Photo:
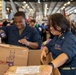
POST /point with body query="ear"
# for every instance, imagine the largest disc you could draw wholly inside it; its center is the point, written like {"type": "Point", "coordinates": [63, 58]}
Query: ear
{"type": "Point", "coordinates": [58, 28]}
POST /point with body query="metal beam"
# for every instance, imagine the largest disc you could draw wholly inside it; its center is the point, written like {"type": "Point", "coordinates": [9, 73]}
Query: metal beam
{"type": "Point", "coordinates": [13, 6]}
{"type": "Point", "coordinates": [60, 6]}
{"type": "Point", "coordinates": [49, 9]}
{"type": "Point", "coordinates": [18, 4]}
{"type": "Point", "coordinates": [3, 9]}
{"type": "Point", "coordinates": [32, 5]}
{"type": "Point", "coordinates": [70, 10]}
{"type": "Point", "coordinates": [43, 8]}
{"type": "Point", "coordinates": [54, 6]}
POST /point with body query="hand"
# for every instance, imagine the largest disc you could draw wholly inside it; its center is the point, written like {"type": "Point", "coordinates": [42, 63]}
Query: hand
{"type": "Point", "coordinates": [43, 55]}
{"type": "Point", "coordinates": [24, 41]}
{"type": "Point", "coordinates": [45, 70]}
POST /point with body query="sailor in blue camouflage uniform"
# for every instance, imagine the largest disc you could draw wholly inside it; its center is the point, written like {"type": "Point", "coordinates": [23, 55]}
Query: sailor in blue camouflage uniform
{"type": "Point", "coordinates": [62, 47]}
{"type": "Point", "coordinates": [21, 34]}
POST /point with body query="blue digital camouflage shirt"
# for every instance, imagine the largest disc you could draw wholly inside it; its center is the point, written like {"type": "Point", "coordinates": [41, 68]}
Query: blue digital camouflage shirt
{"type": "Point", "coordinates": [13, 36]}
{"type": "Point", "coordinates": [64, 44]}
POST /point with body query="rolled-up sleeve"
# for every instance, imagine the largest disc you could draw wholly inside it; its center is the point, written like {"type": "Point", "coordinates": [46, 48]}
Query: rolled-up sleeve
{"type": "Point", "coordinates": [37, 38]}
{"type": "Point", "coordinates": [69, 48]}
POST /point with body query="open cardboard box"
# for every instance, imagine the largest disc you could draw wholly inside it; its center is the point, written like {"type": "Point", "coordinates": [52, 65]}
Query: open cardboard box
{"type": "Point", "coordinates": [25, 70]}
{"type": "Point", "coordinates": [34, 59]}
{"type": "Point", "coordinates": [11, 55]}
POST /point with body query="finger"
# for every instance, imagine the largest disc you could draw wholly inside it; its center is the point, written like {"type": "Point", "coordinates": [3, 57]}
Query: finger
{"type": "Point", "coordinates": [25, 37]}
{"type": "Point", "coordinates": [44, 54]}
{"type": "Point", "coordinates": [42, 61]}
{"type": "Point", "coordinates": [43, 58]}
{"type": "Point", "coordinates": [19, 40]}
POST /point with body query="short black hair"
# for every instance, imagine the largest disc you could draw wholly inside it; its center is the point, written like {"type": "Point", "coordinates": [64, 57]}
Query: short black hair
{"type": "Point", "coordinates": [33, 20]}
{"type": "Point", "coordinates": [60, 20]}
{"type": "Point", "coordinates": [20, 13]}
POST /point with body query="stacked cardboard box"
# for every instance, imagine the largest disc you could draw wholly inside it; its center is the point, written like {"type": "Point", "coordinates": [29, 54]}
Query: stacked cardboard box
{"type": "Point", "coordinates": [11, 55]}
{"type": "Point", "coordinates": [26, 70]}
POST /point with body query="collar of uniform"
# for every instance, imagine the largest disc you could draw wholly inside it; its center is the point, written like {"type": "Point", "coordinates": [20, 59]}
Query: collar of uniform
{"type": "Point", "coordinates": [28, 28]}
{"type": "Point", "coordinates": [63, 36]}
{"type": "Point", "coordinates": [15, 28]}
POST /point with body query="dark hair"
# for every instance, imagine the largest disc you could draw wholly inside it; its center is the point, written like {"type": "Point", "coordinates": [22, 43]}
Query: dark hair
{"type": "Point", "coordinates": [33, 20]}
{"type": "Point", "coordinates": [61, 21]}
{"type": "Point", "coordinates": [20, 13]}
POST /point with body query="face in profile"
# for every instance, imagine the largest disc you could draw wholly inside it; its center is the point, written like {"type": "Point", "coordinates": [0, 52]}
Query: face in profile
{"type": "Point", "coordinates": [32, 24]}
{"type": "Point", "coordinates": [19, 22]}
{"type": "Point", "coordinates": [54, 31]}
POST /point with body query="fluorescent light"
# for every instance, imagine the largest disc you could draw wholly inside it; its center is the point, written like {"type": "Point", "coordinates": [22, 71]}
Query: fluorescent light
{"type": "Point", "coordinates": [68, 2]}
{"type": "Point", "coordinates": [75, 10]}
{"type": "Point", "coordinates": [24, 2]}
{"type": "Point", "coordinates": [27, 6]}
{"type": "Point", "coordinates": [65, 4]}
{"type": "Point", "coordinates": [62, 7]}
{"type": "Point", "coordinates": [38, 1]}
{"type": "Point", "coordinates": [7, 8]}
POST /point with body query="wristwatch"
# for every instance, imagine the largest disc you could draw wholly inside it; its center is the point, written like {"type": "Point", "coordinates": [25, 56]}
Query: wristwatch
{"type": "Point", "coordinates": [51, 64]}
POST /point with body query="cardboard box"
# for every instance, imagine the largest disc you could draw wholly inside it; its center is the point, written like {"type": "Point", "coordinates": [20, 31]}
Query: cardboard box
{"type": "Point", "coordinates": [12, 55]}
{"type": "Point", "coordinates": [21, 57]}
{"type": "Point", "coordinates": [25, 70]}
{"type": "Point", "coordinates": [34, 59]}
